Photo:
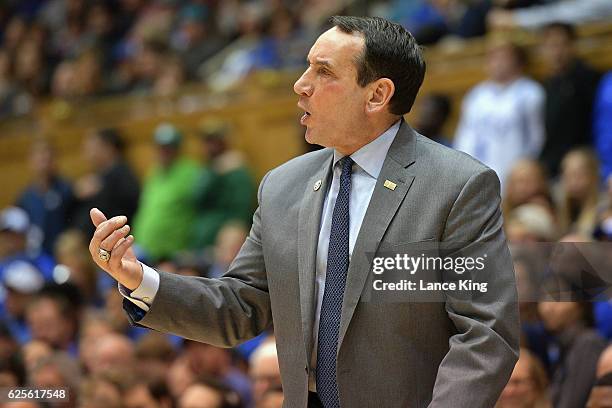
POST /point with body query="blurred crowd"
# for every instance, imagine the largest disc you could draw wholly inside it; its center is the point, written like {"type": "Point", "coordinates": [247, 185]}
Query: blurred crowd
{"type": "Point", "coordinates": [77, 49]}
{"type": "Point", "coordinates": [550, 142]}
{"type": "Point", "coordinates": [61, 319]}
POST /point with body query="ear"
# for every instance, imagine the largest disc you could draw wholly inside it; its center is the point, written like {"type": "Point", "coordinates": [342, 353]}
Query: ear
{"type": "Point", "coordinates": [381, 92]}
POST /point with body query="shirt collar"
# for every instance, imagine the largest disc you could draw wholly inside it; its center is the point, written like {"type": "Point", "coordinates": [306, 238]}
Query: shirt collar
{"type": "Point", "coordinates": [372, 156]}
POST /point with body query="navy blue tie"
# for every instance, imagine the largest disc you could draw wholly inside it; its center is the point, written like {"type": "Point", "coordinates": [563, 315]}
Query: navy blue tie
{"type": "Point", "coordinates": [335, 281]}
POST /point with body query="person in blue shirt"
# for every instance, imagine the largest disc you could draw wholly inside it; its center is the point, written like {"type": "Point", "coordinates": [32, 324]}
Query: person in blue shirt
{"type": "Point", "coordinates": [602, 130]}
{"type": "Point", "coordinates": [48, 200]}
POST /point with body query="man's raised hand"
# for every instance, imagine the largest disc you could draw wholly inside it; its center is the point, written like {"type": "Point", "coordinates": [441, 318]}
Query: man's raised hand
{"type": "Point", "coordinates": [112, 236]}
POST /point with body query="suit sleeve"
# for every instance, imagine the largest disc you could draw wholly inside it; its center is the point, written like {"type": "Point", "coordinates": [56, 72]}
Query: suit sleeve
{"type": "Point", "coordinates": [484, 350]}
{"type": "Point", "coordinates": [222, 312]}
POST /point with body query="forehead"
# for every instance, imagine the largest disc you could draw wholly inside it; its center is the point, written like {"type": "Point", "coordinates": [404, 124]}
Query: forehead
{"type": "Point", "coordinates": [337, 48]}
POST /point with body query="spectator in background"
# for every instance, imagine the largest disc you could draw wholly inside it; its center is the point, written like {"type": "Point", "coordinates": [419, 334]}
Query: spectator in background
{"type": "Point", "coordinates": [282, 45]}
{"type": "Point", "coordinates": [225, 189]}
{"type": "Point", "coordinates": [531, 223]}
{"type": "Point", "coordinates": [114, 356]}
{"type": "Point", "coordinates": [570, 92]}
{"type": "Point", "coordinates": [146, 394]}
{"type": "Point", "coordinates": [58, 370]}
{"type": "Point", "coordinates": [20, 284]}
{"type": "Point", "coordinates": [12, 372]}
{"type": "Point", "coordinates": [88, 74]}
{"type": "Point", "coordinates": [64, 79]}
{"type": "Point", "coordinates": [528, 385]}
{"type": "Point", "coordinates": [578, 345]}
{"type": "Point", "coordinates": [579, 192]}
{"type": "Point", "coordinates": [568, 11]}
{"type": "Point", "coordinates": [8, 344]}
{"type": "Point", "coordinates": [101, 32]}
{"type": "Point", "coordinates": [502, 118]}
{"type": "Point", "coordinates": [209, 361]}
{"type": "Point", "coordinates": [53, 319]}
{"type": "Point", "coordinates": [432, 20]}
{"type": "Point", "coordinates": [71, 252]}
{"type": "Point", "coordinates": [99, 392]}
{"type": "Point", "coordinates": [164, 222]}
{"type": "Point", "coordinates": [170, 78]}
{"type": "Point", "coordinates": [48, 200]}
{"type": "Point", "coordinates": [264, 371]}
{"type": "Point", "coordinates": [70, 39]}
{"type": "Point", "coordinates": [527, 184]}
{"type": "Point", "coordinates": [111, 183]}
{"type": "Point", "coordinates": [31, 74]}
{"type": "Point", "coordinates": [603, 231]}
{"type": "Point", "coordinates": [194, 38]}
{"type": "Point", "coordinates": [8, 90]}
{"type": "Point", "coordinates": [34, 352]}
{"type": "Point", "coordinates": [208, 393]}
{"type": "Point", "coordinates": [273, 398]}
{"type": "Point", "coordinates": [180, 376]}
{"type": "Point", "coordinates": [154, 354]}
{"type": "Point", "coordinates": [145, 66]}
{"type": "Point", "coordinates": [433, 113]}
{"type": "Point", "coordinates": [601, 394]}
{"type": "Point", "coordinates": [602, 128]}
{"type": "Point", "coordinates": [228, 242]}
{"type": "Point", "coordinates": [20, 241]}
{"type": "Point", "coordinates": [14, 33]}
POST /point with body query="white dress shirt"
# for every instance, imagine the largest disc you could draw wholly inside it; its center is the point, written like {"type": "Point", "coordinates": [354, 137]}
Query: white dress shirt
{"type": "Point", "coordinates": [368, 162]}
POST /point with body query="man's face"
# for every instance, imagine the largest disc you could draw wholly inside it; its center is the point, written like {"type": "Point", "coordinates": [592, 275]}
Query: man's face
{"type": "Point", "coordinates": [139, 397]}
{"type": "Point", "coordinates": [558, 49]}
{"type": "Point", "coordinates": [265, 375]}
{"type": "Point", "coordinates": [200, 396]}
{"type": "Point", "coordinates": [557, 316]}
{"type": "Point", "coordinates": [501, 64]}
{"type": "Point", "coordinates": [329, 92]}
{"type": "Point", "coordinates": [520, 391]}
{"type": "Point", "coordinates": [167, 155]}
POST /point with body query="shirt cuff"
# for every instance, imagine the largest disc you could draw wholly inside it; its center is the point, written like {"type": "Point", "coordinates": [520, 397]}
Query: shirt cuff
{"type": "Point", "coordinates": [144, 295]}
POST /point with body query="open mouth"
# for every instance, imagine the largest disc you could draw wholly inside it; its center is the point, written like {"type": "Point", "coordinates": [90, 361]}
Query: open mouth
{"type": "Point", "coordinates": [305, 116]}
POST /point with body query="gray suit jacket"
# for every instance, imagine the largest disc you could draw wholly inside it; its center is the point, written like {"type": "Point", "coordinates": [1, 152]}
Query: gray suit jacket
{"type": "Point", "coordinates": [453, 353]}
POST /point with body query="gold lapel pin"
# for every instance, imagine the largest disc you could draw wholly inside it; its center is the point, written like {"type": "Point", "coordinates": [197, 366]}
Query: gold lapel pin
{"type": "Point", "coordinates": [317, 185]}
{"type": "Point", "coordinates": [390, 185]}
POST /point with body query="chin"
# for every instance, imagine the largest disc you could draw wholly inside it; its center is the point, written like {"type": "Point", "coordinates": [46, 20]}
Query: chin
{"type": "Point", "coordinates": [310, 137]}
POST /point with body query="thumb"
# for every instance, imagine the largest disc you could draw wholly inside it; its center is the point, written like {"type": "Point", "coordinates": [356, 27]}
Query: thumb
{"type": "Point", "coordinates": [97, 216]}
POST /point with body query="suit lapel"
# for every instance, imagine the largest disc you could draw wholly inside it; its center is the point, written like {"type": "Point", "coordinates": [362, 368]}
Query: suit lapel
{"type": "Point", "coordinates": [381, 210]}
{"type": "Point", "coordinates": [309, 224]}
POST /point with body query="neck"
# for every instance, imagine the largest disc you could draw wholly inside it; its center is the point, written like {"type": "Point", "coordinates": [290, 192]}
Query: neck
{"type": "Point", "coordinates": [368, 134]}
{"type": "Point", "coordinates": [108, 163]}
{"type": "Point", "coordinates": [43, 181]}
{"type": "Point", "coordinates": [508, 80]}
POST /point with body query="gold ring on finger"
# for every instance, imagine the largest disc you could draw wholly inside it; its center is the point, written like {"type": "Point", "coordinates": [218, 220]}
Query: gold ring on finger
{"type": "Point", "coordinates": [103, 254]}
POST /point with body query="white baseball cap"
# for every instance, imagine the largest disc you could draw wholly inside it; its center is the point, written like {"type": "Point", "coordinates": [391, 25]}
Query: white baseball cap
{"type": "Point", "coordinates": [14, 219]}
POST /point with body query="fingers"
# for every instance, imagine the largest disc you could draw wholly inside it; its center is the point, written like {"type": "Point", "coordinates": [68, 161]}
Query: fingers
{"type": "Point", "coordinates": [105, 228]}
{"type": "Point", "coordinates": [119, 251]}
{"type": "Point", "coordinates": [110, 242]}
{"type": "Point", "coordinates": [96, 216]}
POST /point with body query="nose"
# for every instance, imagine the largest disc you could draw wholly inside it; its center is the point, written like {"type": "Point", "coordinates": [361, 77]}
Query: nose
{"type": "Point", "coordinates": [302, 86]}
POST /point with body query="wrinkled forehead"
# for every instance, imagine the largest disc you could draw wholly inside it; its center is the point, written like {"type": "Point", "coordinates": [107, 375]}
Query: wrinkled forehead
{"type": "Point", "coordinates": [337, 48]}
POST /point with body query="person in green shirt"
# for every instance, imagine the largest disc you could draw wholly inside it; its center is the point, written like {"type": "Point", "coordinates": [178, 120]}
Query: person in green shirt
{"type": "Point", "coordinates": [225, 190]}
{"type": "Point", "coordinates": [164, 221]}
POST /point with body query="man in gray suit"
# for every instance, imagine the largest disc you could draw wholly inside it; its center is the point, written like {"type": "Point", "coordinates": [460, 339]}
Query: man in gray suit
{"type": "Point", "coordinates": [307, 262]}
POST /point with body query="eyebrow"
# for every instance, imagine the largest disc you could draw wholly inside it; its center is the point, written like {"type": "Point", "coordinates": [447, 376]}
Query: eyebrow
{"type": "Point", "coordinates": [320, 62]}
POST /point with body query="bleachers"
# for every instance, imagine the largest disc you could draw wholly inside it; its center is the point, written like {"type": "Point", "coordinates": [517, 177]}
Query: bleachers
{"type": "Point", "coordinates": [263, 113]}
